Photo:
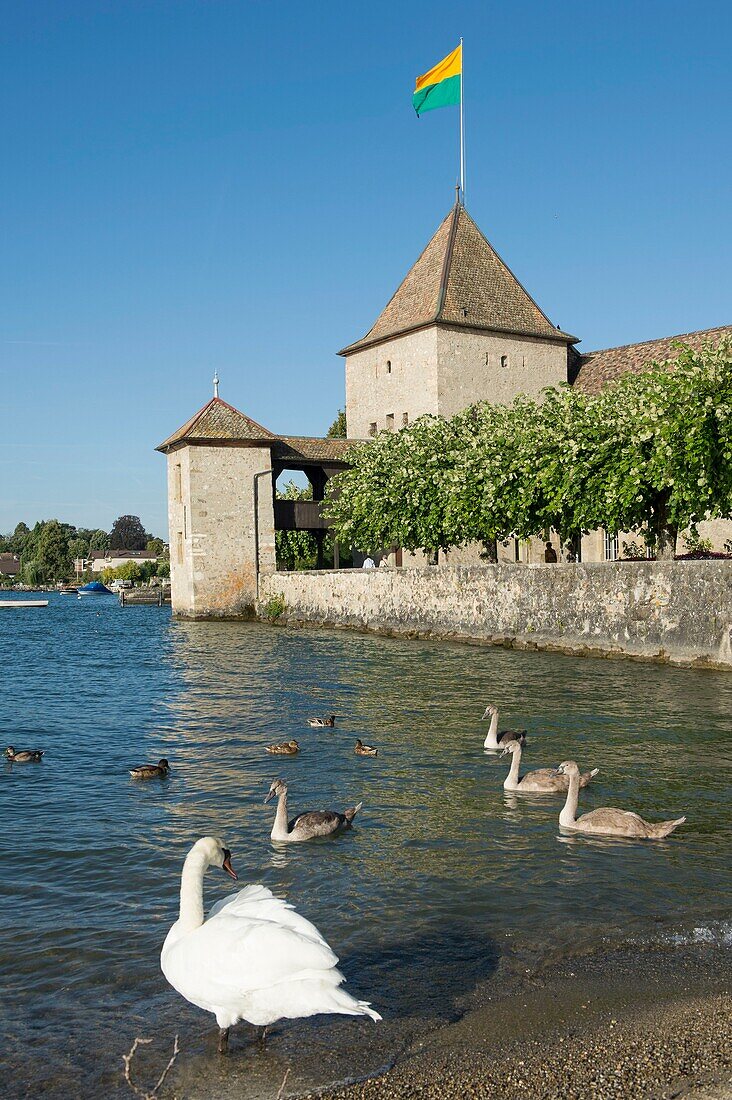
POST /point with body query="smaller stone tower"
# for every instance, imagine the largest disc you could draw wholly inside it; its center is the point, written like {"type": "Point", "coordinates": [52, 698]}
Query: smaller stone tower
{"type": "Point", "coordinates": [220, 511]}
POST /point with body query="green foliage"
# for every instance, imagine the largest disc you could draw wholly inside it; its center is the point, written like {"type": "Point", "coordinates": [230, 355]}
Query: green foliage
{"type": "Point", "coordinates": [53, 551]}
{"type": "Point", "coordinates": [155, 546]}
{"type": "Point", "coordinates": [695, 544]}
{"type": "Point", "coordinates": [337, 430]}
{"type": "Point", "coordinates": [651, 453]}
{"type": "Point", "coordinates": [634, 549]}
{"type": "Point", "coordinates": [275, 608]}
{"type": "Point", "coordinates": [128, 534]}
{"type": "Point", "coordinates": [32, 573]}
{"type": "Point", "coordinates": [295, 549]}
{"type": "Point", "coordinates": [139, 572]}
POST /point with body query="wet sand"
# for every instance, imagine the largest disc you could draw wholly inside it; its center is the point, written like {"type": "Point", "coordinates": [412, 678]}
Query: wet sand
{"type": "Point", "coordinates": [651, 1024]}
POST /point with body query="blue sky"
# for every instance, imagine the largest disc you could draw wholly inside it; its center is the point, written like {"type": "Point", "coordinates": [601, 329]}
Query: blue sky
{"type": "Point", "coordinates": [239, 185]}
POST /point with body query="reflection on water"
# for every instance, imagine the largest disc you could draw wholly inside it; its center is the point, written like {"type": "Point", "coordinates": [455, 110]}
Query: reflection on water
{"type": "Point", "coordinates": [444, 876]}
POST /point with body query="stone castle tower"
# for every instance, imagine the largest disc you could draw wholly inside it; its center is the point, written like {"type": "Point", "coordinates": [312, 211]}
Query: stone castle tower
{"type": "Point", "coordinates": [459, 329]}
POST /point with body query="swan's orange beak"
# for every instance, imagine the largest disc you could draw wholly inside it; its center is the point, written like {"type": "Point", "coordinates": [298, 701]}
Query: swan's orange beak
{"type": "Point", "coordinates": [226, 865]}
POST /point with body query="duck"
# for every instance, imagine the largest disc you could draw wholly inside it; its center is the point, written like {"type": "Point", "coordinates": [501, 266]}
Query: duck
{"type": "Point", "coordinates": [307, 826]}
{"type": "Point", "coordinates": [253, 958]}
{"type": "Point", "coordinates": [24, 756]}
{"type": "Point", "coordinates": [364, 750]}
{"type": "Point", "coordinates": [541, 781]}
{"type": "Point", "coordinates": [607, 821]}
{"type": "Point", "coordinates": [322, 723]}
{"type": "Point", "coordinates": [287, 748]}
{"type": "Point", "coordinates": [496, 740]}
{"type": "Point", "coordinates": [151, 771]}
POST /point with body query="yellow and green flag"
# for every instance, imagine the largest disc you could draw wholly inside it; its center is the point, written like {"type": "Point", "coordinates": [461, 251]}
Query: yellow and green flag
{"type": "Point", "coordinates": [440, 87]}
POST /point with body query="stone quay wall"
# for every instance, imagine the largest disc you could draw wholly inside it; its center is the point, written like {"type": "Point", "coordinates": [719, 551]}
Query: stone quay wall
{"type": "Point", "coordinates": [678, 612]}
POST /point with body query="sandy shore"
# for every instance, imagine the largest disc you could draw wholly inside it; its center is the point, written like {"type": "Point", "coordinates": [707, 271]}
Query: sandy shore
{"type": "Point", "coordinates": [657, 1025]}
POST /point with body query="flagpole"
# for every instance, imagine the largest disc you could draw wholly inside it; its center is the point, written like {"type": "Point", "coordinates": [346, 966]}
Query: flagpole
{"type": "Point", "coordinates": [462, 128]}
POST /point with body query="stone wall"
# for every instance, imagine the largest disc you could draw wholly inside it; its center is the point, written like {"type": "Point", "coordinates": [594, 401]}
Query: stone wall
{"type": "Point", "coordinates": [470, 367]}
{"type": "Point", "coordinates": [672, 611]}
{"type": "Point", "coordinates": [443, 370]}
{"type": "Point", "coordinates": [395, 377]}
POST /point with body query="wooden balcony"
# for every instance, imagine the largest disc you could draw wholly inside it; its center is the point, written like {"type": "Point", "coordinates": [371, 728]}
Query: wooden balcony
{"type": "Point", "coordinates": [298, 515]}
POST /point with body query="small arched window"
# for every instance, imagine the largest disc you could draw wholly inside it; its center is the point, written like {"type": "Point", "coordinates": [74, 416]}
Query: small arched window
{"type": "Point", "coordinates": [388, 366]}
{"type": "Point", "coordinates": [504, 360]}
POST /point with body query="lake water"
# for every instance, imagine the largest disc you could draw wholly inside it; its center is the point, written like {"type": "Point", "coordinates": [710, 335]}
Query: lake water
{"type": "Point", "coordinates": [444, 883]}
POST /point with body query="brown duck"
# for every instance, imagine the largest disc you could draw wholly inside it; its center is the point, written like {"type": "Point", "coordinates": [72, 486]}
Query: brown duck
{"type": "Point", "coordinates": [151, 771]}
{"type": "Point", "coordinates": [23, 756]}
{"type": "Point", "coordinates": [287, 748]}
{"type": "Point", "coordinates": [365, 750]}
{"type": "Point", "coordinates": [320, 723]}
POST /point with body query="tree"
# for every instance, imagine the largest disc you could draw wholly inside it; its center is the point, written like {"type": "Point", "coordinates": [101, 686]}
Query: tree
{"type": "Point", "coordinates": [155, 546]}
{"type": "Point", "coordinates": [99, 540]}
{"type": "Point", "coordinates": [665, 461]}
{"type": "Point", "coordinates": [651, 453]}
{"type": "Point", "coordinates": [396, 490]}
{"type": "Point", "coordinates": [128, 534]}
{"type": "Point", "coordinates": [32, 573]}
{"type": "Point", "coordinates": [19, 537]}
{"type": "Point", "coordinates": [53, 552]}
{"type": "Point", "coordinates": [337, 430]}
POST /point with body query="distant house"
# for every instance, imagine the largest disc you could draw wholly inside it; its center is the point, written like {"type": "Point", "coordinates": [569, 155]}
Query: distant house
{"type": "Point", "coordinates": [99, 560]}
{"type": "Point", "coordinates": [9, 565]}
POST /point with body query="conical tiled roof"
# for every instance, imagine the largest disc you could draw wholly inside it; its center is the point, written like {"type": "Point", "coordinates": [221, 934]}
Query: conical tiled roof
{"type": "Point", "coordinates": [460, 280]}
{"type": "Point", "coordinates": [218, 420]}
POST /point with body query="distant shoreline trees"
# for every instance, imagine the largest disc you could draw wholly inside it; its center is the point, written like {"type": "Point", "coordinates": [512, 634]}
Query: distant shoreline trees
{"type": "Point", "coordinates": [47, 552]}
{"type": "Point", "coordinates": [651, 453]}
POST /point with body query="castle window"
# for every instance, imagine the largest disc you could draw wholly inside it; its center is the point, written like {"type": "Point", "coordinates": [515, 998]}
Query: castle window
{"type": "Point", "coordinates": [178, 484]}
{"type": "Point", "coordinates": [388, 366]}
{"type": "Point", "coordinates": [504, 360]}
{"type": "Point", "coordinates": [390, 422]}
{"type": "Point", "coordinates": [372, 428]}
{"type": "Point", "coordinates": [611, 547]}
{"type": "Point", "coordinates": [405, 419]}
{"type": "Point", "coordinates": [487, 359]}
{"type": "Point", "coordinates": [179, 546]}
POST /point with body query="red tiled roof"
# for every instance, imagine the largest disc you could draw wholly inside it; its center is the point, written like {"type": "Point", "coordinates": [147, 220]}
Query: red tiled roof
{"type": "Point", "coordinates": [599, 368]}
{"type": "Point", "coordinates": [9, 565]}
{"type": "Point", "coordinates": [459, 279]}
{"type": "Point", "coordinates": [220, 422]}
{"type": "Point", "coordinates": [217, 420]}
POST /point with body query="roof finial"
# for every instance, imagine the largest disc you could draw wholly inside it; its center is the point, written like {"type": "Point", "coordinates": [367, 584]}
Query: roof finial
{"type": "Point", "coordinates": [457, 193]}
{"type": "Point", "coordinates": [216, 383]}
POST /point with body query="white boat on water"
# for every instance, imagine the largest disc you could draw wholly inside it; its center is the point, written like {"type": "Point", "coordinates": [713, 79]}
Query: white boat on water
{"type": "Point", "coordinates": [23, 603]}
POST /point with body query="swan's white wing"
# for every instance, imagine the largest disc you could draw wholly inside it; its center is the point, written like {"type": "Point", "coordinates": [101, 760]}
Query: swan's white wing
{"type": "Point", "coordinates": [251, 954]}
{"type": "Point", "coordinates": [258, 903]}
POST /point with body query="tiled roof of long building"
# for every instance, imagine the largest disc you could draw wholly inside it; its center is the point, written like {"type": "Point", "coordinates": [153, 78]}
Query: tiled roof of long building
{"type": "Point", "coordinates": [459, 279]}
{"type": "Point", "coordinates": [597, 369]}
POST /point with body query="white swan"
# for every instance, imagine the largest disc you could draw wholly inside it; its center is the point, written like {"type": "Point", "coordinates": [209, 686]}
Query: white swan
{"type": "Point", "coordinates": [496, 740]}
{"type": "Point", "coordinates": [254, 958]}
{"type": "Point", "coordinates": [607, 821]}
{"type": "Point", "coordinates": [541, 781]}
